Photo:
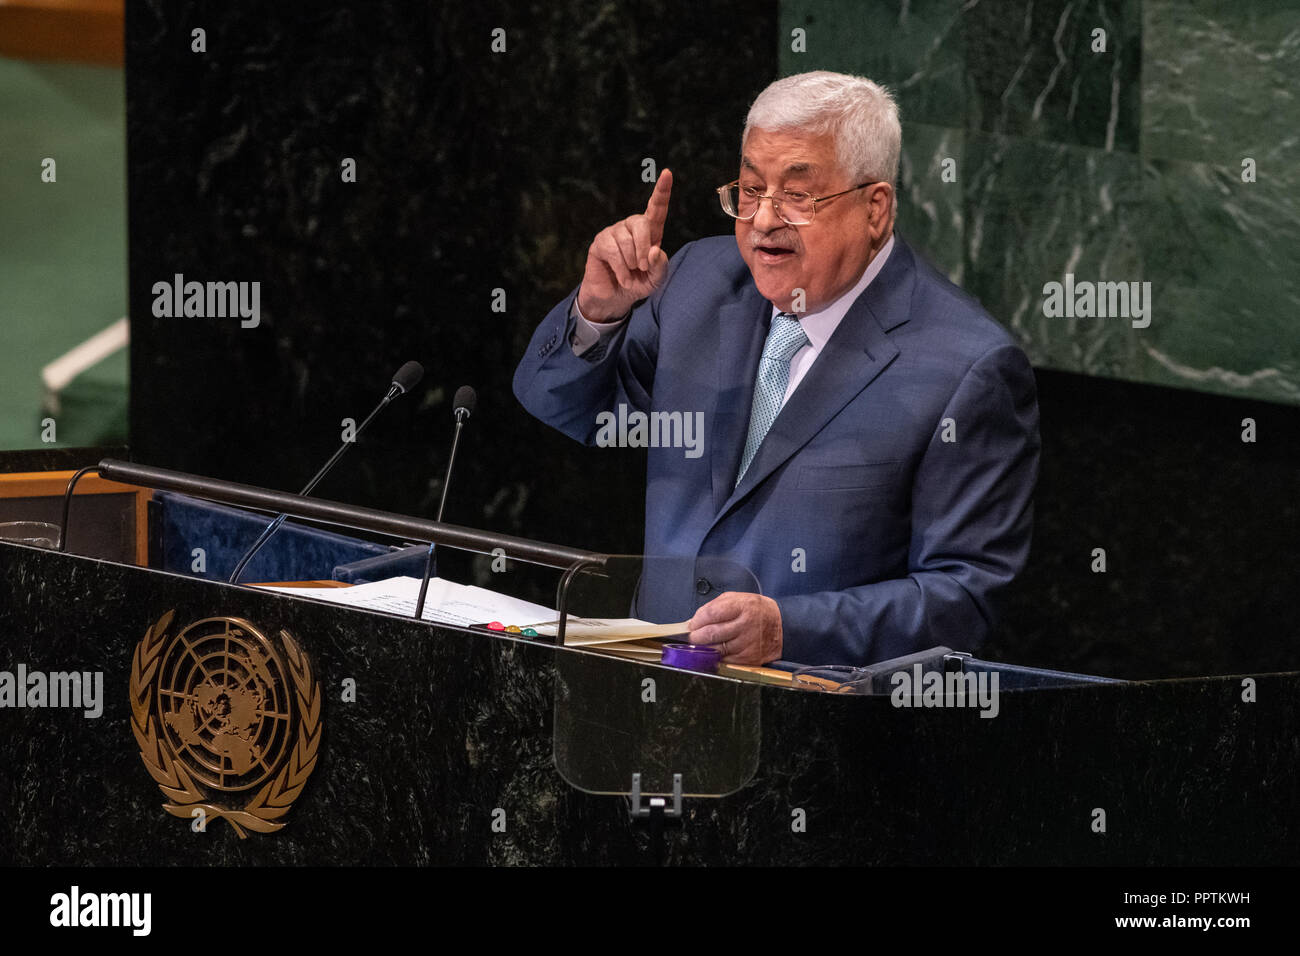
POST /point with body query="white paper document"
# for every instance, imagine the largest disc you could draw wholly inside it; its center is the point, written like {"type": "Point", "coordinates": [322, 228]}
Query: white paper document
{"type": "Point", "coordinates": [462, 605]}
{"type": "Point", "coordinates": [446, 602]}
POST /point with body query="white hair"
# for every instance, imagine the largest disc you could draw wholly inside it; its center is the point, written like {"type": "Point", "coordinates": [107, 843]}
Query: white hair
{"type": "Point", "coordinates": [860, 114]}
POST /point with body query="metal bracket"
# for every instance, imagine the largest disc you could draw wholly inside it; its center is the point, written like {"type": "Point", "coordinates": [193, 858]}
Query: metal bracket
{"type": "Point", "coordinates": [954, 662]}
{"type": "Point", "coordinates": [645, 809]}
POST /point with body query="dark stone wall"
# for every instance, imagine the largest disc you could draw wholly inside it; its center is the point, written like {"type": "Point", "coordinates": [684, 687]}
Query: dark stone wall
{"type": "Point", "coordinates": [479, 170]}
{"type": "Point", "coordinates": [1199, 530]}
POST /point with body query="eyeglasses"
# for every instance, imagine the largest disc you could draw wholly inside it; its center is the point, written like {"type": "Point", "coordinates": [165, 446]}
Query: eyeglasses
{"type": "Point", "coordinates": [794, 208]}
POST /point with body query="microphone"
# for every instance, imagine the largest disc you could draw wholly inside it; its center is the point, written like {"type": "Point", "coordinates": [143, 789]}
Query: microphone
{"type": "Point", "coordinates": [462, 406]}
{"type": "Point", "coordinates": [404, 379]}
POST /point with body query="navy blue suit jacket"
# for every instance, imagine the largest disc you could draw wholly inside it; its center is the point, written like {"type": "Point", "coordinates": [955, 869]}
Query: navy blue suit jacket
{"type": "Point", "coordinates": [890, 502]}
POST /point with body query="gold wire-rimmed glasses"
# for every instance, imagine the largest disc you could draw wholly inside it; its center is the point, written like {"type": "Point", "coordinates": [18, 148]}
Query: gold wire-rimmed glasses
{"type": "Point", "coordinates": [794, 208]}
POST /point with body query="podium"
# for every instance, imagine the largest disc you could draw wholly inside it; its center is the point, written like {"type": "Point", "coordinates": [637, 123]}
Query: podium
{"type": "Point", "coordinates": [241, 726]}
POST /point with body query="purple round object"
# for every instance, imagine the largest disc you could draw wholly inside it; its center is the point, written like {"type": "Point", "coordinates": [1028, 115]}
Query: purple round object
{"type": "Point", "coordinates": [692, 657]}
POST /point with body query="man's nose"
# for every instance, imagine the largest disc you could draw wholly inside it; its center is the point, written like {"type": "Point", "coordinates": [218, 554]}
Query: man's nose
{"type": "Point", "coordinates": [766, 220]}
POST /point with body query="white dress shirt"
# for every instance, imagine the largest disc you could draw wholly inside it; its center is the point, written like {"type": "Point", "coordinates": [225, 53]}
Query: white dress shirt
{"type": "Point", "coordinates": [819, 326]}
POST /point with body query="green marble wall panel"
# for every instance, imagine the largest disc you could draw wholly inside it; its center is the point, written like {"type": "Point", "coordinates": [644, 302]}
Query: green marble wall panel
{"type": "Point", "coordinates": [1033, 70]}
{"type": "Point", "coordinates": [916, 48]}
{"type": "Point", "coordinates": [1219, 81]}
{"type": "Point", "coordinates": [1222, 258]}
{"type": "Point", "coordinates": [1115, 166]}
{"type": "Point", "coordinates": [932, 212]}
{"type": "Point", "coordinates": [1037, 210]}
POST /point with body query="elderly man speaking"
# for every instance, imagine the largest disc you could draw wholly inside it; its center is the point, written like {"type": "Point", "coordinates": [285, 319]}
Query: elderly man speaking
{"type": "Point", "coordinates": [871, 435]}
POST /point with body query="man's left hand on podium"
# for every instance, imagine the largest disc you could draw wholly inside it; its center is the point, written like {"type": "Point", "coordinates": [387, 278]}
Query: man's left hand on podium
{"type": "Point", "coordinates": [745, 627]}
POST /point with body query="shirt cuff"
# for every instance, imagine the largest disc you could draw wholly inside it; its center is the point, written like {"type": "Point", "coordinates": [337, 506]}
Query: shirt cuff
{"type": "Point", "coordinates": [587, 334]}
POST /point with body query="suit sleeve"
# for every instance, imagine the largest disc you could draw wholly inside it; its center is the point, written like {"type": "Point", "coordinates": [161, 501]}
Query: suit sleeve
{"type": "Point", "coordinates": [568, 391]}
{"type": "Point", "coordinates": [972, 519]}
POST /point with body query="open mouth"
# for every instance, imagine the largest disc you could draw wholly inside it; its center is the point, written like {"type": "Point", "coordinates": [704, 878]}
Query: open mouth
{"type": "Point", "coordinates": [772, 254]}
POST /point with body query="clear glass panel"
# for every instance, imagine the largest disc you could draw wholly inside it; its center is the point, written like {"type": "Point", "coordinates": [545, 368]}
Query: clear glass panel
{"type": "Point", "coordinates": [619, 711]}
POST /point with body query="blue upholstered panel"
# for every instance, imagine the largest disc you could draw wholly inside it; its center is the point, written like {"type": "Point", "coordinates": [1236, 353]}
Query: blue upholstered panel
{"type": "Point", "coordinates": [294, 553]}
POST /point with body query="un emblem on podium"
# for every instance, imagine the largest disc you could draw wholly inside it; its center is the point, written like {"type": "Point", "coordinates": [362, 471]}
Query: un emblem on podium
{"type": "Point", "coordinates": [228, 722]}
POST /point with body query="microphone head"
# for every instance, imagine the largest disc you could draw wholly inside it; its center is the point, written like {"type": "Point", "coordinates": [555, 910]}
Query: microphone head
{"type": "Point", "coordinates": [408, 376]}
{"type": "Point", "coordinates": [464, 401]}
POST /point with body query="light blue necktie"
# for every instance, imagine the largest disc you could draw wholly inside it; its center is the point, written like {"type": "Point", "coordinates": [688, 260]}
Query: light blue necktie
{"type": "Point", "coordinates": [784, 339]}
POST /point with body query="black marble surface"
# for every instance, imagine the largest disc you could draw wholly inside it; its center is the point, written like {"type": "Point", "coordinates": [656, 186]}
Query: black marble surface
{"type": "Point", "coordinates": [449, 725]}
{"type": "Point", "coordinates": [1199, 530]}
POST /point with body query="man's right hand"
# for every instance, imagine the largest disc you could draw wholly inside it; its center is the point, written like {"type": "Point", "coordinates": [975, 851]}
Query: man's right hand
{"type": "Point", "coordinates": [625, 263]}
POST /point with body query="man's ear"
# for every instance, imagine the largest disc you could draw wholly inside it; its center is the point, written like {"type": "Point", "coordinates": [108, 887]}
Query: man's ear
{"type": "Point", "coordinates": [882, 208]}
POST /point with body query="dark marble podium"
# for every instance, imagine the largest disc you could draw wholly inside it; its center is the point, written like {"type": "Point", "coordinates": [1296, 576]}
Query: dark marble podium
{"type": "Point", "coordinates": [449, 753]}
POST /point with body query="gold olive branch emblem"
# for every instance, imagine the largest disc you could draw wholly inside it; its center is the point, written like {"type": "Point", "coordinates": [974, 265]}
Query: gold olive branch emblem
{"type": "Point", "coordinates": [273, 800]}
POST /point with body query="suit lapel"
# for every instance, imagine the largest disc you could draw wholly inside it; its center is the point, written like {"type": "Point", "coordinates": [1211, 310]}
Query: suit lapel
{"type": "Point", "coordinates": [742, 330]}
{"type": "Point", "coordinates": [852, 359]}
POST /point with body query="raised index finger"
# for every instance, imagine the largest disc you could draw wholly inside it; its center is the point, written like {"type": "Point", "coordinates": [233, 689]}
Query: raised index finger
{"type": "Point", "coordinates": [656, 210]}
